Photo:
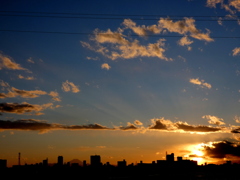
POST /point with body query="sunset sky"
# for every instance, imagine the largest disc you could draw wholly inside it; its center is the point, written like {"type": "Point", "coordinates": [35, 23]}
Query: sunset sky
{"type": "Point", "coordinates": [122, 79]}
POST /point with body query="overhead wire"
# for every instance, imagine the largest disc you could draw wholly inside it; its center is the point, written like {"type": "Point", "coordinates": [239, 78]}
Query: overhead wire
{"type": "Point", "coordinates": [82, 33]}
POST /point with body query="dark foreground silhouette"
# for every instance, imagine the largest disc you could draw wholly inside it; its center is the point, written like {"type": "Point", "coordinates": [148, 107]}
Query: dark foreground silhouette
{"type": "Point", "coordinates": [160, 169]}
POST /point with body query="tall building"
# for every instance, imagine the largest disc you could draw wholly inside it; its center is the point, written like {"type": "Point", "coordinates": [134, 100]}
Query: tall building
{"type": "Point", "coordinates": [95, 160]}
{"type": "Point", "coordinates": [60, 160]}
{"type": "Point", "coordinates": [170, 157]}
{"type": "Point", "coordinates": [3, 163]}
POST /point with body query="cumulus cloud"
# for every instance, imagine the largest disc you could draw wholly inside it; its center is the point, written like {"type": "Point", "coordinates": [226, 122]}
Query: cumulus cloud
{"type": "Point", "coordinates": [21, 108]}
{"type": "Point", "coordinates": [137, 122]}
{"type": "Point", "coordinates": [200, 128]}
{"type": "Point", "coordinates": [201, 83]}
{"type": "Point", "coordinates": [185, 41]}
{"type": "Point", "coordinates": [70, 86]}
{"type": "Point", "coordinates": [8, 63]}
{"type": "Point", "coordinates": [236, 51]}
{"type": "Point", "coordinates": [105, 66]}
{"type": "Point", "coordinates": [123, 48]}
{"type": "Point", "coordinates": [222, 149]}
{"type": "Point", "coordinates": [129, 126]}
{"type": "Point", "coordinates": [114, 45]}
{"type": "Point", "coordinates": [54, 95]}
{"type": "Point", "coordinates": [214, 120]}
{"type": "Point", "coordinates": [163, 124]}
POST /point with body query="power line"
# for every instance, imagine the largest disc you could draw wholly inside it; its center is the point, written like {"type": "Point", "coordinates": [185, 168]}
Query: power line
{"type": "Point", "coordinates": [117, 18]}
{"type": "Point", "coordinates": [107, 16]}
{"type": "Point", "coordinates": [97, 14]}
{"type": "Point", "coordinates": [81, 33]}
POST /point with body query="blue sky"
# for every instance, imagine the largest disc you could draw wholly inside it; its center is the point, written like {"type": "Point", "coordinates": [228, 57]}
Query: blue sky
{"type": "Point", "coordinates": [135, 70]}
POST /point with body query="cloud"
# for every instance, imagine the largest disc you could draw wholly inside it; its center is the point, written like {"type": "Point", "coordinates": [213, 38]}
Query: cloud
{"type": "Point", "coordinates": [199, 128]}
{"type": "Point", "coordinates": [8, 63]}
{"type": "Point", "coordinates": [26, 78]}
{"type": "Point", "coordinates": [184, 41]}
{"type": "Point", "coordinates": [236, 51]}
{"type": "Point", "coordinates": [214, 120]}
{"type": "Point", "coordinates": [184, 27]}
{"type": "Point", "coordinates": [237, 119]}
{"type": "Point", "coordinates": [130, 126]}
{"type": "Point", "coordinates": [14, 92]}
{"type": "Point", "coordinates": [141, 30]}
{"type": "Point", "coordinates": [201, 83]}
{"type": "Point", "coordinates": [105, 66]}
{"type": "Point", "coordinates": [222, 149]}
{"type": "Point", "coordinates": [43, 126]}
{"type": "Point", "coordinates": [137, 122]}
{"type": "Point", "coordinates": [24, 107]}
{"type": "Point", "coordinates": [162, 124]}
{"type": "Point", "coordinates": [30, 60]}
{"type": "Point", "coordinates": [119, 44]}
{"type": "Point", "coordinates": [231, 6]}
{"type": "Point", "coordinates": [70, 86]}
{"type": "Point", "coordinates": [122, 48]}
{"type": "Point", "coordinates": [54, 95]}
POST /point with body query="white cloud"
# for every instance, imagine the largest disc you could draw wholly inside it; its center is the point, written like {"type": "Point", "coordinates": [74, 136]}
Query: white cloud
{"type": "Point", "coordinates": [70, 86]}
{"type": "Point", "coordinates": [105, 66]}
{"type": "Point", "coordinates": [214, 120]}
{"type": "Point", "coordinates": [236, 51]}
{"type": "Point", "coordinates": [54, 95]}
{"type": "Point", "coordinates": [200, 83]}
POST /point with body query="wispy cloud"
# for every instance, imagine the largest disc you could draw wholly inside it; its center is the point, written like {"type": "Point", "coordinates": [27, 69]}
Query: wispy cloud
{"type": "Point", "coordinates": [232, 6]}
{"type": "Point", "coordinates": [214, 120]}
{"type": "Point", "coordinates": [26, 78]}
{"type": "Point", "coordinates": [105, 66]}
{"type": "Point", "coordinates": [70, 86]}
{"type": "Point", "coordinates": [7, 63]}
{"type": "Point", "coordinates": [201, 83]}
{"type": "Point", "coordinates": [236, 51]}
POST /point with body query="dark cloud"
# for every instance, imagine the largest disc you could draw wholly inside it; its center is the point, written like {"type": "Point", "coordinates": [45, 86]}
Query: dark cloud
{"type": "Point", "coordinates": [25, 124]}
{"type": "Point", "coordinates": [22, 108]}
{"type": "Point", "coordinates": [37, 125]}
{"type": "Point", "coordinates": [162, 124]}
{"type": "Point", "coordinates": [200, 128]}
{"type": "Point", "coordinates": [222, 149]}
{"type": "Point", "coordinates": [237, 130]}
{"type": "Point", "coordinates": [128, 127]}
{"type": "Point", "coordinates": [159, 124]}
{"type": "Point", "coordinates": [89, 126]}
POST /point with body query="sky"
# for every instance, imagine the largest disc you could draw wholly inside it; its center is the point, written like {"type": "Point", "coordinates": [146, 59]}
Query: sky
{"type": "Point", "coordinates": [125, 80]}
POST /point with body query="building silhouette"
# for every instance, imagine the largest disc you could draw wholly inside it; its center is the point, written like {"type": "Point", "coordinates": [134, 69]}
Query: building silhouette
{"type": "Point", "coordinates": [170, 157]}
{"type": "Point", "coordinates": [60, 160]}
{"type": "Point", "coordinates": [95, 160]}
{"type": "Point", "coordinates": [3, 163]}
{"type": "Point", "coordinates": [122, 163]}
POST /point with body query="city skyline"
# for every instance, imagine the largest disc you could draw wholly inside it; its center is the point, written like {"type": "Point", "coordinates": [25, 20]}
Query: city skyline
{"type": "Point", "coordinates": [125, 79]}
